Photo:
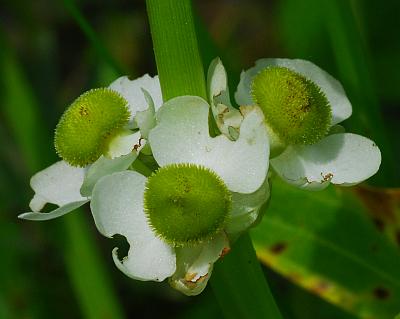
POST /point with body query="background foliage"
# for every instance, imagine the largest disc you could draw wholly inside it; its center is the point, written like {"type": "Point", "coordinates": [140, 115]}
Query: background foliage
{"type": "Point", "coordinates": [333, 254]}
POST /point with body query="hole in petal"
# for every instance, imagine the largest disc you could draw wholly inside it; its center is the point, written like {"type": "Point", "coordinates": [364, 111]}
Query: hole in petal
{"type": "Point", "coordinates": [122, 244]}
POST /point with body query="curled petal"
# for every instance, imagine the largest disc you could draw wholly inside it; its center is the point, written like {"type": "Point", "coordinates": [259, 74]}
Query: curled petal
{"type": "Point", "coordinates": [227, 118]}
{"type": "Point", "coordinates": [195, 264]}
{"type": "Point", "coordinates": [340, 104]}
{"type": "Point", "coordinates": [53, 214]}
{"type": "Point", "coordinates": [182, 136]}
{"type": "Point", "coordinates": [344, 159]}
{"type": "Point", "coordinates": [117, 208]}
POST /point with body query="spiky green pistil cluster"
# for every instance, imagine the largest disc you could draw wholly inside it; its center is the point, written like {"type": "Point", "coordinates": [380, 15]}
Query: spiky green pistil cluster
{"type": "Point", "coordinates": [186, 204]}
{"type": "Point", "coordinates": [86, 127]}
{"type": "Point", "coordinates": [295, 108]}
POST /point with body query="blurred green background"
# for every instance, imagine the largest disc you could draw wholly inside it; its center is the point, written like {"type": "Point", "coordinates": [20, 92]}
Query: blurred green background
{"type": "Point", "coordinates": [333, 254]}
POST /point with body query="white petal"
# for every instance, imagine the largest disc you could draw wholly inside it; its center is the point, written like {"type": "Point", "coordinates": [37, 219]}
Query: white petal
{"type": "Point", "coordinates": [131, 90]}
{"type": "Point", "coordinates": [194, 265]}
{"type": "Point", "coordinates": [246, 209]}
{"type": "Point", "coordinates": [217, 83]}
{"type": "Point", "coordinates": [53, 214]}
{"type": "Point", "coordinates": [182, 136]}
{"type": "Point", "coordinates": [341, 106]}
{"type": "Point", "coordinates": [345, 159]}
{"type": "Point", "coordinates": [146, 119]}
{"type": "Point", "coordinates": [105, 166]}
{"type": "Point", "coordinates": [57, 184]}
{"type": "Point", "coordinates": [227, 118]}
{"type": "Point", "coordinates": [124, 143]}
{"type": "Point", "coordinates": [117, 207]}
{"type": "Point", "coordinates": [37, 203]}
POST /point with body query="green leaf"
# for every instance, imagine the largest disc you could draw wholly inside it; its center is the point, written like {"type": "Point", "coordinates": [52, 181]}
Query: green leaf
{"type": "Point", "coordinates": [236, 282]}
{"type": "Point", "coordinates": [325, 242]}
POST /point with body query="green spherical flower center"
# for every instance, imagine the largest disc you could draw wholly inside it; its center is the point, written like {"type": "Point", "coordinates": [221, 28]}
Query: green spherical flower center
{"type": "Point", "coordinates": [86, 127]}
{"type": "Point", "coordinates": [295, 108]}
{"type": "Point", "coordinates": [186, 204]}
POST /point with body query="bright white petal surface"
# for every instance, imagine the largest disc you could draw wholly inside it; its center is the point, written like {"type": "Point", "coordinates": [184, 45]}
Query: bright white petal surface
{"type": "Point", "coordinates": [194, 265]}
{"type": "Point", "coordinates": [340, 104]}
{"type": "Point", "coordinates": [124, 143]}
{"type": "Point", "coordinates": [105, 166]}
{"type": "Point", "coordinates": [53, 214]}
{"type": "Point", "coordinates": [182, 136]}
{"type": "Point", "coordinates": [345, 159]}
{"type": "Point", "coordinates": [57, 184]}
{"type": "Point", "coordinates": [131, 90]}
{"type": "Point", "coordinates": [117, 208]}
{"type": "Point", "coordinates": [246, 210]}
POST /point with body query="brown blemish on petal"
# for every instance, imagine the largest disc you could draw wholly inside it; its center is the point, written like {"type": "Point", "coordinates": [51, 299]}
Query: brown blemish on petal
{"type": "Point", "coordinates": [224, 252]}
{"type": "Point", "coordinates": [327, 177]}
{"type": "Point", "coordinates": [190, 276]}
{"type": "Point", "coordinates": [278, 248]}
{"type": "Point", "coordinates": [136, 146]}
{"type": "Point", "coordinates": [190, 283]}
{"type": "Point", "coordinates": [381, 293]}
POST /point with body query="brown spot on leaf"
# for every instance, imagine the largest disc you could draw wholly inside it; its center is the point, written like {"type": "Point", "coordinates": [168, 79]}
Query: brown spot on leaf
{"type": "Point", "coordinates": [380, 225]}
{"type": "Point", "coordinates": [398, 237]}
{"type": "Point", "coordinates": [381, 293]}
{"type": "Point", "coordinates": [278, 248]}
{"type": "Point", "coordinates": [321, 287]}
{"type": "Point", "coordinates": [381, 202]}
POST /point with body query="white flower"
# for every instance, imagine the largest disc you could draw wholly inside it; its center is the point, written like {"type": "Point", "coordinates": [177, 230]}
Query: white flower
{"type": "Point", "coordinates": [339, 158]}
{"type": "Point", "coordinates": [181, 136]}
{"type": "Point", "coordinates": [70, 187]}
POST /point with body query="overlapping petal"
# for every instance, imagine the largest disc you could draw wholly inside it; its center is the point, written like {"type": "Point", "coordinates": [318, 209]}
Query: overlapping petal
{"type": "Point", "coordinates": [340, 104]}
{"type": "Point", "coordinates": [182, 136]}
{"type": "Point", "coordinates": [117, 208]}
{"type": "Point", "coordinates": [132, 91]}
{"type": "Point", "coordinates": [246, 210]}
{"type": "Point", "coordinates": [344, 159]}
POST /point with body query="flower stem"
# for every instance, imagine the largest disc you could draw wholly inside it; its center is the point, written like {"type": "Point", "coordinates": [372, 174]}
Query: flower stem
{"type": "Point", "coordinates": [238, 282]}
{"type": "Point", "coordinates": [175, 46]}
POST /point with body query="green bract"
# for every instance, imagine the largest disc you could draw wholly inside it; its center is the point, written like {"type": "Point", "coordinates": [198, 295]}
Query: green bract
{"type": "Point", "coordinates": [86, 127]}
{"type": "Point", "coordinates": [295, 108]}
{"type": "Point", "coordinates": [186, 203]}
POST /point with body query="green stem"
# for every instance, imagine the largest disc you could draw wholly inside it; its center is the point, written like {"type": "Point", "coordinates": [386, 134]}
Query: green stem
{"type": "Point", "coordinates": [175, 46]}
{"type": "Point", "coordinates": [238, 282]}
